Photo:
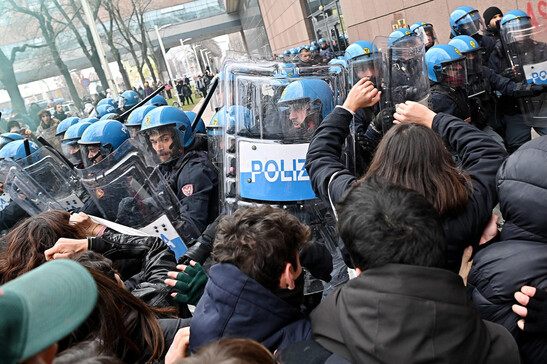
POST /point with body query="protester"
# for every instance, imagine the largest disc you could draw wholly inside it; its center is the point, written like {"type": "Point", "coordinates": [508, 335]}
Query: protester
{"type": "Point", "coordinates": [42, 307]}
{"type": "Point", "coordinates": [403, 306]}
{"type": "Point", "coordinates": [256, 289]}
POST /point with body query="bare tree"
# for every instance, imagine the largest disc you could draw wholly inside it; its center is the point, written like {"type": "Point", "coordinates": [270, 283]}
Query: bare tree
{"type": "Point", "coordinates": [109, 30]}
{"type": "Point", "coordinates": [49, 34]}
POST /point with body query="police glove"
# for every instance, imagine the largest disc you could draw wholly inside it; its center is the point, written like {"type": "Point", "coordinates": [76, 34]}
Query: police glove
{"type": "Point", "coordinates": [383, 121]}
{"type": "Point", "coordinates": [201, 248]}
{"type": "Point", "coordinates": [189, 284]}
{"type": "Point", "coordinates": [528, 90]}
{"type": "Point", "coordinates": [536, 318]}
{"type": "Point", "coordinates": [509, 73]}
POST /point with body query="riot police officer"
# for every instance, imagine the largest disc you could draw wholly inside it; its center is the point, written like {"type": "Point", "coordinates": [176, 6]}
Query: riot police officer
{"type": "Point", "coordinates": [426, 32]}
{"type": "Point", "coordinates": [134, 121]}
{"type": "Point", "coordinates": [168, 134]}
{"type": "Point", "coordinates": [71, 148]}
{"type": "Point", "coordinates": [466, 20]}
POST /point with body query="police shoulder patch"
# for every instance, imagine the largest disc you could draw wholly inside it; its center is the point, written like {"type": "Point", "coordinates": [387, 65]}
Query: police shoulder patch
{"type": "Point", "coordinates": [188, 189]}
{"type": "Point", "coordinates": [99, 193]}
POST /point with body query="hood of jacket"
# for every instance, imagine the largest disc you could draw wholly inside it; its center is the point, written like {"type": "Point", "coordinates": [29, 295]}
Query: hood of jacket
{"type": "Point", "coordinates": [395, 313]}
{"type": "Point", "coordinates": [522, 190]}
{"type": "Point", "coordinates": [235, 305]}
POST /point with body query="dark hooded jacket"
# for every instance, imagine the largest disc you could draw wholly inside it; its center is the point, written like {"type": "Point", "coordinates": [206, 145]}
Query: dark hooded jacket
{"type": "Point", "coordinates": [235, 305]}
{"type": "Point", "coordinates": [408, 314]}
{"type": "Point", "coordinates": [520, 258]}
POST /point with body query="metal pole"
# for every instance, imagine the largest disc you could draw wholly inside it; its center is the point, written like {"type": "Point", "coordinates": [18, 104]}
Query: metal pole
{"type": "Point", "coordinates": [208, 61]}
{"type": "Point", "coordinates": [197, 59]}
{"type": "Point", "coordinates": [202, 57]}
{"type": "Point", "coordinates": [166, 63]}
{"type": "Point", "coordinates": [186, 64]}
{"type": "Point", "coordinates": [100, 50]}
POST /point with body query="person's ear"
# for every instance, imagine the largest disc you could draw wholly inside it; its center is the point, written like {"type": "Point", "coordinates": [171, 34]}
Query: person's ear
{"type": "Point", "coordinates": [287, 277]}
{"type": "Point", "coordinates": [45, 356]}
{"type": "Point", "coordinates": [358, 272]}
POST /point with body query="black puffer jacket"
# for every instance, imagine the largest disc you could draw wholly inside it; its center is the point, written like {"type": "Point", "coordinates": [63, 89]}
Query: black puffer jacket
{"type": "Point", "coordinates": [520, 258]}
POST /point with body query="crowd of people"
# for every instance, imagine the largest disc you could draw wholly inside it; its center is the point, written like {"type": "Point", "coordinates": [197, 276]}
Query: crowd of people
{"type": "Point", "coordinates": [414, 203]}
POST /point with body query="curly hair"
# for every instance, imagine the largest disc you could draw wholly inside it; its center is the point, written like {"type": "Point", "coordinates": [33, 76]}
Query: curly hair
{"type": "Point", "coordinates": [259, 241]}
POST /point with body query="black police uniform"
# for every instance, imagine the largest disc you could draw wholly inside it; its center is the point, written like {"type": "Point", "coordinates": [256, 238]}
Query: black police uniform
{"type": "Point", "coordinates": [195, 182]}
{"type": "Point", "coordinates": [481, 157]}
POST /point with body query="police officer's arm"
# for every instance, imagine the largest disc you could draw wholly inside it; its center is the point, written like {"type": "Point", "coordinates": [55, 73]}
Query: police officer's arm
{"type": "Point", "coordinates": [443, 103]}
{"type": "Point", "coordinates": [510, 88]}
{"type": "Point", "coordinates": [196, 187]}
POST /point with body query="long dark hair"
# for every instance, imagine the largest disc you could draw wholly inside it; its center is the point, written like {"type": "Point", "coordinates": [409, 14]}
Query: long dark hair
{"type": "Point", "coordinates": [26, 243]}
{"type": "Point", "coordinates": [122, 322]}
{"type": "Point", "coordinates": [415, 157]}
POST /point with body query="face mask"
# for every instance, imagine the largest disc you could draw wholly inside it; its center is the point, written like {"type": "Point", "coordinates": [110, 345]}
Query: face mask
{"type": "Point", "coordinates": [294, 297]}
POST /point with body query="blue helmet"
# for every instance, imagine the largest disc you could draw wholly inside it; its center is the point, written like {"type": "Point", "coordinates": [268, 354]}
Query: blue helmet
{"type": "Point", "coordinates": [217, 122]}
{"type": "Point", "coordinates": [294, 51]}
{"type": "Point", "coordinates": [89, 120]}
{"type": "Point", "coordinates": [108, 101]}
{"type": "Point", "coordinates": [107, 135]}
{"type": "Point", "coordinates": [307, 47]}
{"type": "Point", "coordinates": [322, 41]}
{"type": "Point", "coordinates": [65, 124]}
{"type": "Point", "coordinates": [426, 32]}
{"type": "Point", "coordinates": [471, 49]}
{"type": "Point", "coordinates": [287, 52]}
{"type": "Point", "coordinates": [313, 49]}
{"type": "Point", "coordinates": [313, 91]}
{"type": "Point", "coordinates": [512, 21]}
{"type": "Point", "coordinates": [173, 120]}
{"type": "Point", "coordinates": [7, 138]}
{"type": "Point", "coordinates": [130, 99]}
{"type": "Point", "coordinates": [285, 70]}
{"type": "Point", "coordinates": [300, 48]}
{"type": "Point", "coordinates": [157, 100]}
{"type": "Point", "coordinates": [70, 146]}
{"type": "Point", "coordinates": [110, 116]}
{"type": "Point", "coordinates": [16, 150]}
{"type": "Point", "coordinates": [314, 44]}
{"type": "Point", "coordinates": [200, 128]}
{"type": "Point", "coordinates": [397, 35]}
{"type": "Point", "coordinates": [104, 109]}
{"type": "Point", "coordinates": [134, 121]}
{"type": "Point", "coordinates": [445, 63]}
{"type": "Point", "coordinates": [75, 132]}
{"type": "Point", "coordinates": [241, 114]}
{"type": "Point", "coordinates": [360, 48]}
{"type": "Point", "coordinates": [466, 20]}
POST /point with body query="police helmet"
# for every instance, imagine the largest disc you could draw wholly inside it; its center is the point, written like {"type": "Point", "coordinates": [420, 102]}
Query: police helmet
{"type": "Point", "coordinates": [446, 64]}
{"type": "Point", "coordinates": [313, 49]}
{"type": "Point", "coordinates": [466, 20]}
{"type": "Point", "coordinates": [134, 121]}
{"type": "Point", "coordinates": [70, 146]}
{"type": "Point", "coordinates": [104, 109]}
{"type": "Point", "coordinates": [110, 116]}
{"type": "Point", "coordinates": [471, 50]}
{"type": "Point", "coordinates": [129, 99]}
{"type": "Point", "coordinates": [314, 44]}
{"type": "Point", "coordinates": [108, 101]}
{"type": "Point", "coordinates": [172, 119]}
{"type": "Point", "coordinates": [287, 52]}
{"type": "Point", "coordinates": [313, 91]}
{"type": "Point", "coordinates": [107, 135]}
{"type": "Point", "coordinates": [17, 150]}
{"type": "Point", "coordinates": [65, 124]}
{"type": "Point", "coordinates": [512, 21]}
{"type": "Point", "coordinates": [200, 127]}
{"type": "Point", "coordinates": [7, 138]}
{"type": "Point", "coordinates": [426, 32]}
{"type": "Point", "coordinates": [217, 122]}
{"type": "Point", "coordinates": [157, 100]}
{"type": "Point", "coordinates": [360, 48]}
{"type": "Point", "coordinates": [294, 51]}
{"type": "Point", "coordinates": [322, 41]}
{"type": "Point", "coordinates": [89, 120]}
{"type": "Point", "coordinates": [397, 35]}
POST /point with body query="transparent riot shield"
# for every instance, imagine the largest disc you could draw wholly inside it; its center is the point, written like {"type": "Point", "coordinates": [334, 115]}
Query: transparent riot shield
{"type": "Point", "coordinates": [5, 198]}
{"type": "Point", "coordinates": [26, 191]}
{"type": "Point", "coordinates": [527, 50]}
{"type": "Point", "coordinates": [48, 168]}
{"type": "Point", "coordinates": [266, 138]}
{"type": "Point", "coordinates": [128, 191]}
{"type": "Point", "coordinates": [51, 138]}
{"type": "Point", "coordinates": [402, 73]}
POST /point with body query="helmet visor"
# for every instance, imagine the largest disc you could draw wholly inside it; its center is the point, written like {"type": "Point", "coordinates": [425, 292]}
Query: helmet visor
{"type": "Point", "coordinates": [162, 142]}
{"type": "Point", "coordinates": [92, 154]}
{"type": "Point", "coordinates": [72, 153]}
{"type": "Point", "coordinates": [453, 73]}
{"type": "Point", "coordinates": [470, 24]}
{"type": "Point", "coordinates": [427, 35]}
{"type": "Point", "coordinates": [473, 62]}
{"type": "Point", "coordinates": [362, 66]}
